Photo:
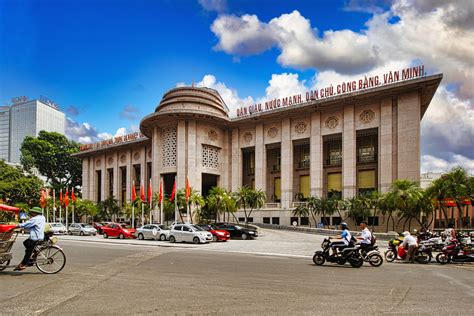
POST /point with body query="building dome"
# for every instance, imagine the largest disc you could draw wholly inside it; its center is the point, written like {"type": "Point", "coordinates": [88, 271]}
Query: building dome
{"type": "Point", "coordinates": [200, 103]}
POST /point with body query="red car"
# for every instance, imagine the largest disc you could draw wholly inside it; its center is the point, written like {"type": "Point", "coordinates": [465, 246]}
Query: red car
{"type": "Point", "coordinates": [120, 231]}
{"type": "Point", "coordinates": [217, 234]}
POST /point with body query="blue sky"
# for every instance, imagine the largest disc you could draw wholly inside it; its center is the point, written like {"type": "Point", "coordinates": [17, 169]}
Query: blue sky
{"type": "Point", "coordinates": [107, 63]}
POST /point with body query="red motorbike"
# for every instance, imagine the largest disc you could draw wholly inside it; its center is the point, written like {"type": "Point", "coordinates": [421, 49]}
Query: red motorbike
{"type": "Point", "coordinates": [455, 252]}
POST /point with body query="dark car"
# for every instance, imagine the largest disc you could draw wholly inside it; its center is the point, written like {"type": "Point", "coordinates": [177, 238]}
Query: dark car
{"type": "Point", "coordinates": [237, 231]}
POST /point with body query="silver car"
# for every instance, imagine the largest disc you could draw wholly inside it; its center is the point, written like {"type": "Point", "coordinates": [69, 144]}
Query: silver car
{"type": "Point", "coordinates": [81, 229]}
{"type": "Point", "coordinates": [153, 231]}
{"type": "Point", "coordinates": [189, 233]}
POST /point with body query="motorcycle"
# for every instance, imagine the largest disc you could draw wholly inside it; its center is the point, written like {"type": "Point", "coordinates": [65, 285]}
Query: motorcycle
{"type": "Point", "coordinates": [422, 254]}
{"type": "Point", "coordinates": [350, 254]}
{"type": "Point", "coordinates": [371, 255]}
{"type": "Point", "coordinates": [455, 252]}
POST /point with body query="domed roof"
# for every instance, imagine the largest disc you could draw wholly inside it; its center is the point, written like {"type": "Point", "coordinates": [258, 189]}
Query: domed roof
{"type": "Point", "coordinates": [198, 103]}
{"type": "Point", "coordinates": [192, 95]}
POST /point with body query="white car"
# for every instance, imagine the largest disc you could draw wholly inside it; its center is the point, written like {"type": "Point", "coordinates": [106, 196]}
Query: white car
{"type": "Point", "coordinates": [153, 231]}
{"type": "Point", "coordinates": [81, 229]}
{"type": "Point", "coordinates": [57, 228]}
{"type": "Point", "coordinates": [189, 233]}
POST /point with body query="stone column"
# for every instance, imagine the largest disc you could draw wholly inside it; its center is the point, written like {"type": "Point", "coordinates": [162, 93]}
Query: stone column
{"type": "Point", "coordinates": [409, 117]}
{"type": "Point", "coordinates": [286, 164]}
{"type": "Point", "coordinates": [316, 152]}
{"type": "Point", "coordinates": [156, 160]}
{"type": "Point", "coordinates": [92, 180]}
{"type": "Point", "coordinates": [349, 157]}
{"type": "Point", "coordinates": [260, 159]}
{"type": "Point", "coordinates": [103, 175]}
{"type": "Point", "coordinates": [116, 183]}
{"type": "Point", "coordinates": [226, 160]}
{"type": "Point", "coordinates": [181, 155]}
{"type": "Point", "coordinates": [236, 160]}
{"type": "Point", "coordinates": [143, 167]}
{"type": "Point", "coordinates": [129, 174]}
{"type": "Point", "coordinates": [385, 145]}
{"type": "Point", "coordinates": [85, 178]}
{"type": "Point", "coordinates": [191, 156]}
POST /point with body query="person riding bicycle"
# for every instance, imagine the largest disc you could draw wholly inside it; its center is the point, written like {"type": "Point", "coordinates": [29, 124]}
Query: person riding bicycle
{"type": "Point", "coordinates": [365, 237]}
{"type": "Point", "coordinates": [36, 225]}
{"type": "Point", "coordinates": [345, 239]}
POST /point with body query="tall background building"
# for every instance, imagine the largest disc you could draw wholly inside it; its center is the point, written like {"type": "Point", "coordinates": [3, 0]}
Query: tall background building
{"type": "Point", "coordinates": [4, 132]}
{"type": "Point", "coordinates": [28, 118]}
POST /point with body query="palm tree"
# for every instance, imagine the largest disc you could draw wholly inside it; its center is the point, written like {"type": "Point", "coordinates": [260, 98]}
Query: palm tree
{"type": "Point", "coordinates": [358, 209]}
{"type": "Point", "coordinates": [404, 196]}
{"type": "Point", "coordinates": [216, 201]}
{"type": "Point", "coordinates": [196, 202]}
{"type": "Point", "coordinates": [314, 206]}
{"type": "Point", "coordinates": [109, 208]}
{"type": "Point", "coordinates": [457, 187]}
{"type": "Point", "coordinates": [301, 210]}
{"type": "Point", "coordinates": [86, 208]}
{"type": "Point", "coordinates": [439, 192]}
{"type": "Point", "coordinates": [249, 199]}
{"type": "Point", "coordinates": [386, 209]}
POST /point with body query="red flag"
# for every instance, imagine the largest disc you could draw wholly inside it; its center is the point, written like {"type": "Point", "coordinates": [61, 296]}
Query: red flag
{"type": "Point", "coordinates": [173, 192]}
{"type": "Point", "coordinates": [134, 192]}
{"type": "Point", "coordinates": [149, 192]}
{"type": "Point", "coordinates": [188, 190]}
{"type": "Point", "coordinates": [160, 198]}
{"type": "Point", "coordinates": [42, 199]}
{"type": "Point", "coordinates": [61, 197]}
{"type": "Point", "coordinates": [73, 197]}
{"type": "Point", "coordinates": [66, 198]}
{"type": "Point", "coordinates": [142, 192]}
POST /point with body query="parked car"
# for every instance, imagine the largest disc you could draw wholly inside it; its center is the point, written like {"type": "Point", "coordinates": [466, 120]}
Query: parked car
{"type": "Point", "coordinates": [153, 231]}
{"type": "Point", "coordinates": [189, 233]}
{"type": "Point", "coordinates": [81, 229]}
{"type": "Point", "coordinates": [120, 231]}
{"type": "Point", "coordinates": [57, 228]}
{"type": "Point", "coordinates": [99, 225]}
{"type": "Point", "coordinates": [237, 231]}
{"type": "Point", "coordinates": [217, 234]}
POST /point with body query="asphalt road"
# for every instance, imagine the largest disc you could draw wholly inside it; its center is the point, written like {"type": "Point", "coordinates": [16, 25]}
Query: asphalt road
{"type": "Point", "coordinates": [111, 278]}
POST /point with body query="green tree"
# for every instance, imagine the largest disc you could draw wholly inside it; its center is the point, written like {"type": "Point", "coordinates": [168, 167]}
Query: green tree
{"type": "Point", "coordinates": [87, 209]}
{"type": "Point", "coordinates": [302, 210]}
{"type": "Point", "coordinates": [51, 153]}
{"type": "Point", "coordinates": [18, 187]}
{"type": "Point", "coordinates": [109, 208]}
{"type": "Point", "coordinates": [457, 185]}
{"type": "Point", "coordinates": [405, 195]}
{"type": "Point", "coordinates": [216, 201]}
{"type": "Point", "coordinates": [249, 199]}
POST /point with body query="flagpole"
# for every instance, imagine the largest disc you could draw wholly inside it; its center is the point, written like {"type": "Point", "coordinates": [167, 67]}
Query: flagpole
{"type": "Point", "coordinates": [67, 228]}
{"type": "Point", "coordinates": [162, 220]}
{"type": "Point", "coordinates": [175, 202]}
{"type": "Point", "coordinates": [54, 205]}
{"type": "Point", "coordinates": [143, 210]}
{"type": "Point", "coordinates": [133, 205]}
{"type": "Point", "coordinates": [73, 206]}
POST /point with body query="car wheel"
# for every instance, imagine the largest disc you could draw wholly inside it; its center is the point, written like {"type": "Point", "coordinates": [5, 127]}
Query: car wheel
{"type": "Point", "coordinates": [214, 238]}
{"type": "Point", "coordinates": [105, 235]}
{"type": "Point", "coordinates": [162, 237]}
{"type": "Point", "coordinates": [81, 233]}
{"type": "Point", "coordinates": [244, 236]}
{"type": "Point", "coordinates": [196, 240]}
{"type": "Point", "coordinates": [69, 232]}
{"type": "Point", "coordinates": [120, 236]}
{"type": "Point", "coordinates": [172, 239]}
{"type": "Point", "coordinates": [140, 236]}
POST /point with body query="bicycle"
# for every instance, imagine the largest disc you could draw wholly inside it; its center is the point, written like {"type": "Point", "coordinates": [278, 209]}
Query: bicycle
{"type": "Point", "coordinates": [47, 256]}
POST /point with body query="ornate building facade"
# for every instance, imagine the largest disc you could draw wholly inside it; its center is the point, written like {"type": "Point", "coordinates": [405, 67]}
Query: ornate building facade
{"type": "Point", "coordinates": [343, 145]}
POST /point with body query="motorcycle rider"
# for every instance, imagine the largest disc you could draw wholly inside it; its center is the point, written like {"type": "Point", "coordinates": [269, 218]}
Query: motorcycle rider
{"type": "Point", "coordinates": [344, 242]}
{"type": "Point", "coordinates": [409, 242]}
{"type": "Point", "coordinates": [365, 236]}
{"type": "Point", "coordinates": [450, 233]}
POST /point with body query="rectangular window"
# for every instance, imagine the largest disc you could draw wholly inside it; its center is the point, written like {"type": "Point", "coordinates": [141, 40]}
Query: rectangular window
{"type": "Point", "coordinates": [366, 181]}
{"type": "Point", "coordinates": [266, 220]}
{"type": "Point", "coordinates": [373, 220]}
{"type": "Point", "coordinates": [250, 220]}
{"type": "Point", "coordinates": [275, 220]}
{"type": "Point", "coordinates": [241, 219]}
{"type": "Point", "coordinates": [336, 220]}
{"type": "Point", "coordinates": [304, 186]}
{"type": "Point", "coordinates": [335, 184]}
{"type": "Point", "coordinates": [304, 221]}
{"type": "Point", "coordinates": [277, 189]}
{"type": "Point", "coordinates": [293, 219]}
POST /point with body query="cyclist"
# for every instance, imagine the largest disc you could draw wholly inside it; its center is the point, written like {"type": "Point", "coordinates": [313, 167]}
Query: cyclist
{"type": "Point", "coordinates": [36, 225]}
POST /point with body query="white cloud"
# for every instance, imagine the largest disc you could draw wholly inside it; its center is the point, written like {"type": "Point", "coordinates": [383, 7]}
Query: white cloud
{"type": "Point", "coordinates": [437, 33]}
{"type": "Point", "coordinates": [434, 164]}
{"type": "Point", "coordinates": [85, 133]}
{"type": "Point", "coordinates": [214, 5]}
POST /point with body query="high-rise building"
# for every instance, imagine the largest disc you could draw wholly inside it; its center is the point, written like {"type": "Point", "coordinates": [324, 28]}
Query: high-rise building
{"type": "Point", "coordinates": [28, 118]}
{"type": "Point", "coordinates": [4, 132]}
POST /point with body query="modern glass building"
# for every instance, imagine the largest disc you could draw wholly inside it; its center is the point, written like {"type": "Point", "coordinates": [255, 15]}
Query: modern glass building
{"type": "Point", "coordinates": [343, 145]}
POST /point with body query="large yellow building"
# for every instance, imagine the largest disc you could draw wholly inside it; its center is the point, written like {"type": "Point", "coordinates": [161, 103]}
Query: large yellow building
{"type": "Point", "coordinates": [344, 144]}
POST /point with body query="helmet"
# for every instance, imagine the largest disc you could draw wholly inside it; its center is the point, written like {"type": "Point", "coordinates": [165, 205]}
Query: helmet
{"type": "Point", "coordinates": [405, 234]}
{"type": "Point", "coordinates": [344, 225]}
